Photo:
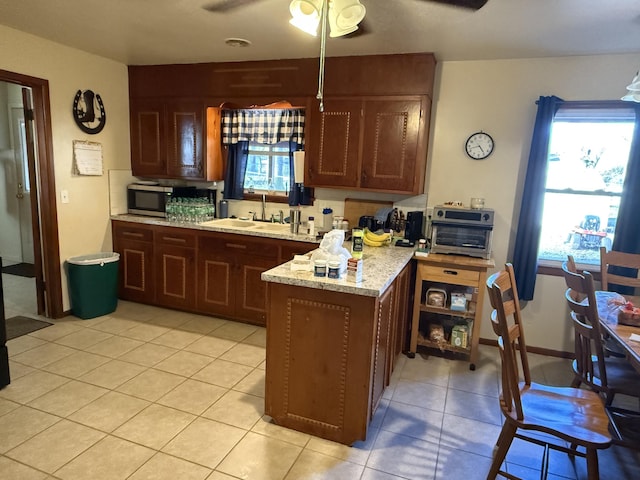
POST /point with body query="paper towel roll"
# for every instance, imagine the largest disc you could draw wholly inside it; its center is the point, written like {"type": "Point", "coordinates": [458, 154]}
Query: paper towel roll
{"type": "Point", "coordinates": [298, 166]}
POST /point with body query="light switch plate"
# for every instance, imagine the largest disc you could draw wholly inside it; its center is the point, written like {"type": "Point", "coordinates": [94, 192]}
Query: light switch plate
{"type": "Point", "coordinates": [64, 196]}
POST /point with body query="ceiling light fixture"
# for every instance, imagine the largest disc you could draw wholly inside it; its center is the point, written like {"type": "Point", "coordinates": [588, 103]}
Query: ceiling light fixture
{"type": "Point", "coordinates": [237, 42]}
{"type": "Point", "coordinates": [633, 90]}
{"type": "Point", "coordinates": [343, 17]}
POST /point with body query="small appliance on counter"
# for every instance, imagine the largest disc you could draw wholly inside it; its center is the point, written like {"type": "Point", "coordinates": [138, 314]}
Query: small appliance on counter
{"type": "Point", "coordinates": [462, 231]}
{"type": "Point", "coordinates": [370, 222]}
{"type": "Point", "coordinates": [151, 200]}
{"type": "Point", "coordinates": [413, 226]}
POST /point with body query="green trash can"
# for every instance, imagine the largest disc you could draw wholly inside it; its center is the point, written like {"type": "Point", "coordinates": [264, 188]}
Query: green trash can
{"type": "Point", "coordinates": [93, 284]}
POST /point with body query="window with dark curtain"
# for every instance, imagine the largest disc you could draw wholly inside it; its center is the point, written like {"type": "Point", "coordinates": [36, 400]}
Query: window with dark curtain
{"type": "Point", "coordinates": [266, 126]}
{"type": "Point", "coordinates": [627, 230]}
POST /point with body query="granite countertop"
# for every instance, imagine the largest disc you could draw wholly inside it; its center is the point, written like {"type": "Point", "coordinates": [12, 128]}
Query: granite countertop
{"type": "Point", "coordinates": [226, 225]}
{"type": "Point", "coordinates": [381, 266]}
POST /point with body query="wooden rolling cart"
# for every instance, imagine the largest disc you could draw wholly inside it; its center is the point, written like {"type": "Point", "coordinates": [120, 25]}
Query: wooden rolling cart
{"type": "Point", "coordinates": [441, 325]}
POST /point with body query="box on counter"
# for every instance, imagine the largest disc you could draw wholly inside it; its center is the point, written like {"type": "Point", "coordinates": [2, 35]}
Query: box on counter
{"type": "Point", "coordinates": [301, 263]}
{"type": "Point", "coordinates": [354, 270]}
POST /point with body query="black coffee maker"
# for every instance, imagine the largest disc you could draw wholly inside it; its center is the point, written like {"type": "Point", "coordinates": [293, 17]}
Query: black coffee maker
{"type": "Point", "coordinates": [413, 226]}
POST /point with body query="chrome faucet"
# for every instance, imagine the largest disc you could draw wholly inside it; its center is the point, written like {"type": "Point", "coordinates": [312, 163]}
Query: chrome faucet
{"type": "Point", "coordinates": [264, 207]}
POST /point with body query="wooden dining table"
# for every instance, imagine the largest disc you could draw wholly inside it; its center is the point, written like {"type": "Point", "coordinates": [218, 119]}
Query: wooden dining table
{"type": "Point", "coordinates": [608, 306]}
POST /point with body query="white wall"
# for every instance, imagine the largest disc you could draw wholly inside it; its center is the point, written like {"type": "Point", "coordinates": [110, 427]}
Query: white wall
{"type": "Point", "coordinates": [499, 97]}
{"type": "Point", "coordinates": [84, 225]}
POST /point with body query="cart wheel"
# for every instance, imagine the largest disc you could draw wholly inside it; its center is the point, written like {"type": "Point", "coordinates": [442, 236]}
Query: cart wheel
{"type": "Point", "coordinates": [411, 354]}
{"type": "Point", "coordinates": [472, 366]}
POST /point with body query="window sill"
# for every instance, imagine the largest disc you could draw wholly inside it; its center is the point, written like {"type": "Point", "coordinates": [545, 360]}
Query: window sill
{"type": "Point", "coordinates": [268, 198]}
{"type": "Point", "coordinates": [257, 196]}
{"type": "Point", "coordinates": [554, 269]}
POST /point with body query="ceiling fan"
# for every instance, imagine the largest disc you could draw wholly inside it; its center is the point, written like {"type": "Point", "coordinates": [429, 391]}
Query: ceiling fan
{"type": "Point", "coordinates": [222, 6]}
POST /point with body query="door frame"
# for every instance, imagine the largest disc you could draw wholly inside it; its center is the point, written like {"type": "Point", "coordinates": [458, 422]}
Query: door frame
{"type": "Point", "coordinates": [46, 242]}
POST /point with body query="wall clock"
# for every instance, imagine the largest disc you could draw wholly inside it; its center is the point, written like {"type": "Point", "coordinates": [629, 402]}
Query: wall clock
{"type": "Point", "coordinates": [479, 145]}
{"type": "Point", "coordinates": [88, 112]}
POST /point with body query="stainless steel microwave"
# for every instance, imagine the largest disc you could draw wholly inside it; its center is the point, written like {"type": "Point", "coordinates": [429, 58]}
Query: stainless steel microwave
{"type": "Point", "coordinates": [151, 200]}
{"type": "Point", "coordinates": [462, 231]}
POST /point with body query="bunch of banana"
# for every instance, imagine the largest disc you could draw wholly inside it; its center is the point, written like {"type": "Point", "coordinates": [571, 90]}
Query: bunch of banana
{"type": "Point", "coordinates": [376, 239]}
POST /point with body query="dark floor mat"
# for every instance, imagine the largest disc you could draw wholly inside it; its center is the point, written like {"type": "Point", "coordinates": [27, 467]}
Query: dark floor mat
{"type": "Point", "coordinates": [18, 326]}
{"type": "Point", "coordinates": [20, 269]}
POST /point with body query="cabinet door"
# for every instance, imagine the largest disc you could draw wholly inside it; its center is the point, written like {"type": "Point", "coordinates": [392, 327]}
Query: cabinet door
{"type": "Point", "coordinates": [135, 272]}
{"type": "Point", "coordinates": [393, 130]}
{"type": "Point", "coordinates": [382, 347]}
{"type": "Point", "coordinates": [185, 129]}
{"type": "Point", "coordinates": [332, 149]}
{"type": "Point", "coordinates": [148, 138]}
{"type": "Point", "coordinates": [402, 316]}
{"type": "Point", "coordinates": [251, 290]}
{"type": "Point", "coordinates": [216, 274]}
{"type": "Point", "coordinates": [175, 268]}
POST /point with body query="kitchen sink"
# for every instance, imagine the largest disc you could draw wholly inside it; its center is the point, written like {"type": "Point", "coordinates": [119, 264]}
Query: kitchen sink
{"type": "Point", "coordinates": [273, 227]}
{"type": "Point", "coordinates": [229, 222]}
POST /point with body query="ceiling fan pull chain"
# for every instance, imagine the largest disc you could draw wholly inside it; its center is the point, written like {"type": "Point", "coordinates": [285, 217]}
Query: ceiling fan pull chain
{"type": "Point", "coordinates": [323, 46]}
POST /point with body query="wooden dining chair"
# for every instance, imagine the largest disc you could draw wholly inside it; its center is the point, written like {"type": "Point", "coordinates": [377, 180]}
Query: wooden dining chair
{"type": "Point", "coordinates": [572, 415]}
{"type": "Point", "coordinates": [606, 375]}
{"type": "Point", "coordinates": [611, 347]}
{"type": "Point", "coordinates": [614, 260]}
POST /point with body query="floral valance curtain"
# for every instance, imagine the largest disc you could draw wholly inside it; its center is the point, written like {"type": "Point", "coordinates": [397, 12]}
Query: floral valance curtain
{"type": "Point", "coordinates": [266, 126]}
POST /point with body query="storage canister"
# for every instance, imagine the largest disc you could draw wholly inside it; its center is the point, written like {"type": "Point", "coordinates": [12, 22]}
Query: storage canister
{"type": "Point", "coordinates": [320, 268]}
{"type": "Point", "coordinates": [334, 269]}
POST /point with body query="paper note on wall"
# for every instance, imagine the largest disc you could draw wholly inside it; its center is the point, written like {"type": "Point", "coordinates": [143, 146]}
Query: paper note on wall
{"type": "Point", "coordinates": [87, 158]}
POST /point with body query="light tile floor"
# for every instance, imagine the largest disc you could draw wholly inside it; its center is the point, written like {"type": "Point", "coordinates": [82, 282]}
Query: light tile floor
{"type": "Point", "coordinates": [147, 393]}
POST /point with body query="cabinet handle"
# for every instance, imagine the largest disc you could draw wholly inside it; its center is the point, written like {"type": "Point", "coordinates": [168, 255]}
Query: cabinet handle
{"type": "Point", "coordinates": [133, 234]}
{"type": "Point", "coordinates": [174, 239]}
{"type": "Point", "coordinates": [236, 245]}
{"type": "Point", "coordinates": [450, 272]}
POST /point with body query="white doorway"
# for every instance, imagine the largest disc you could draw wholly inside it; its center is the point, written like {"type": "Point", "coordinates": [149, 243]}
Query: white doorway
{"type": "Point", "coordinates": [16, 214]}
{"type": "Point", "coordinates": [22, 186]}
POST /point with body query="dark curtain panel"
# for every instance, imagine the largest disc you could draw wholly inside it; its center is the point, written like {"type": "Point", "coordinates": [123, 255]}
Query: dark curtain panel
{"type": "Point", "coordinates": [299, 194]}
{"type": "Point", "coordinates": [525, 255]}
{"type": "Point", "coordinates": [627, 235]}
{"type": "Point", "coordinates": [236, 166]}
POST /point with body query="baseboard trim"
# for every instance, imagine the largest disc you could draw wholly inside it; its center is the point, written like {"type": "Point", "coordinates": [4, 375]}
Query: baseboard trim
{"type": "Point", "coordinates": [538, 350]}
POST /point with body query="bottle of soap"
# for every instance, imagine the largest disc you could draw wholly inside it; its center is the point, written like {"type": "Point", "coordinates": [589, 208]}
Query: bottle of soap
{"type": "Point", "coordinates": [357, 242]}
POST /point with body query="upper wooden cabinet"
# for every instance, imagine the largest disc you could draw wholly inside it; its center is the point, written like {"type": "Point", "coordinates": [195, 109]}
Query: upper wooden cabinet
{"type": "Point", "coordinates": [369, 143]}
{"type": "Point", "coordinates": [167, 140]}
{"type": "Point", "coordinates": [372, 135]}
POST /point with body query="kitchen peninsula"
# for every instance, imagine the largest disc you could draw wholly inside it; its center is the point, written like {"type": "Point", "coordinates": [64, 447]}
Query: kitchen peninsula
{"type": "Point", "coordinates": [332, 344]}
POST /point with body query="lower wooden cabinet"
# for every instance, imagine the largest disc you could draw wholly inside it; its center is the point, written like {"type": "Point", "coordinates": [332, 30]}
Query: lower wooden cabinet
{"type": "Point", "coordinates": [199, 271]}
{"type": "Point", "coordinates": [134, 243]}
{"type": "Point", "coordinates": [229, 270]}
{"type": "Point", "coordinates": [383, 346]}
{"type": "Point", "coordinates": [175, 268]}
{"type": "Point", "coordinates": [329, 357]}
